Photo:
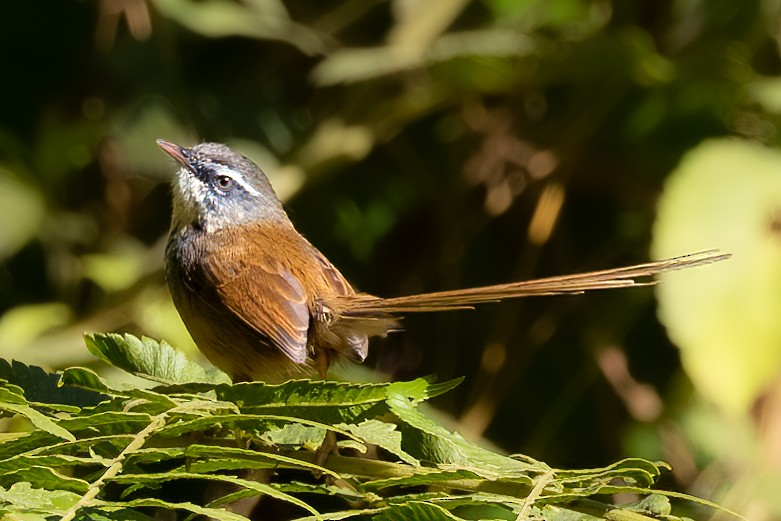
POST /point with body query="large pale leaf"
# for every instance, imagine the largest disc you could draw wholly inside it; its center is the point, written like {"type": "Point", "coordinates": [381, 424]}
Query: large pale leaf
{"type": "Point", "coordinates": [725, 194]}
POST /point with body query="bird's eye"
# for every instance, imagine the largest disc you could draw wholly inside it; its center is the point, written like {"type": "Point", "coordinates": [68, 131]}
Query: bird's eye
{"type": "Point", "coordinates": [224, 183]}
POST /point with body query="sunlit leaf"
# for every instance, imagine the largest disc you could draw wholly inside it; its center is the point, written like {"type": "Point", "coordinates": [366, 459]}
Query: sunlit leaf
{"type": "Point", "coordinates": [151, 359]}
{"type": "Point", "coordinates": [21, 213]}
{"type": "Point", "coordinates": [24, 497]}
{"type": "Point", "coordinates": [725, 194]}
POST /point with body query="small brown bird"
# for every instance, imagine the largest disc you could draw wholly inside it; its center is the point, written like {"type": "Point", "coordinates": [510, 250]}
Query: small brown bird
{"type": "Point", "coordinates": [262, 303]}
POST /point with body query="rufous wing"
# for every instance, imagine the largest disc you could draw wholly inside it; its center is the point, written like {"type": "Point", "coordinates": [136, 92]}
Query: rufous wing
{"type": "Point", "coordinates": [267, 297]}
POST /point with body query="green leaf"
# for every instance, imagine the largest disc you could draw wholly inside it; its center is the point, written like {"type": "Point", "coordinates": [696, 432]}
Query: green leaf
{"type": "Point", "coordinates": [656, 505]}
{"type": "Point", "coordinates": [218, 458]}
{"type": "Point", "coordinates": [148, 358]}
{"type": "Point", "coordinates": [436, 389]}
{"type": "Point", "coordinates": [21, 462]}
{"type": "Point", "coordinates": [109, 422]}
{"type": "Point", "coordinates": [27, 441]}
{"type": "Point", "coordinates": [112, 514]}
{"type": "Point", "coordinates": [35, 417]}
{"type": "Point", "coordinates": [296, 434]}
{"type": "Point", "coordinates": [134, 441]}
{"type": "Point", "coordinates": [636, 471]}
{"type": "Point", "coordinates": [22, 211]}
{"type": "Point", "coordinates": [46, 478]}
{"type": "Point", "coordinates": [429, 441]}
{"type": "Point", "coordinates": [326, 402]}
{"type": "Point", "coordinates": [213, 513]}
{"type": "Point", "coordinates": [23, 497]}
{"type": "Point", "coordinates": [424, 477]}
{"type": "Point", "coordinates": [43, 387]}
{"type": "Point", "coordinates": [415, 511]}
{"type": "Point", "coordinates": [255, 486]}
{"type": "Point", "coordinates": [86, 379]}
{"type": "Point", "coordinates": [220, 18]}
{"type": "Point", "coordinates": [724, 317]}
{"type": "Point", "coordinates": [384, 435]}
{"type": "Point", "coordinates": [10, 393]}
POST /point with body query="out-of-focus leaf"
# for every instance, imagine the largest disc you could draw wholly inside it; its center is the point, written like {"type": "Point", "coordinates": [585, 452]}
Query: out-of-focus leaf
{"type": "Point", "coordinates": [570, 16]}
{"type": "Point", "coordinates": [22, 324]}
{"type": "Point", "coordinates": [353, 65]}
{"type": "Point", "coordinates": [219, 18]}
{"type": "Point", "coordinates": [419, 23]}
{"type": "Point", "coordinates": [21, 214]}
{"type": "Point", "coordinates": [136, 130]}
{"type": "Point", "coordinates": [725, 194]}
{"type": "Point", "coordinates": [767, 92]}
{"type": "Point", "coordinates": [158, 317]}
{"type": "Point", "coordinates": [334, 139]}
{"type": "Point", "coordinates": [119, 268]}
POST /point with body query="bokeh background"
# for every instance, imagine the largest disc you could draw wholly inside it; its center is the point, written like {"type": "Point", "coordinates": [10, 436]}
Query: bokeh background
{"type": "Point", "coordinates": [426, 145]}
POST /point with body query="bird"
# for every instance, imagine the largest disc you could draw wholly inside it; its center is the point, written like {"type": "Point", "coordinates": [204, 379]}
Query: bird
{"type": "Point", "coordinates": [262, 303]}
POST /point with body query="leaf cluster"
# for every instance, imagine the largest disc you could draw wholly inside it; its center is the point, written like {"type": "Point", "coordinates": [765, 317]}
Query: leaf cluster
{"type": "Point", "coordinates": [195, 444]}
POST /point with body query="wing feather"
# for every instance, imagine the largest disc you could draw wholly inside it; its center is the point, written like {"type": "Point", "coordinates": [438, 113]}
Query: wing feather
{"type": "Point", "coordinates": [267, 297]}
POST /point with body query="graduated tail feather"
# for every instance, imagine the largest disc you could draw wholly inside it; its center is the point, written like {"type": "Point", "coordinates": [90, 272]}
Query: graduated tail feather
{"type": "Point", "coordinates": [364, 306]}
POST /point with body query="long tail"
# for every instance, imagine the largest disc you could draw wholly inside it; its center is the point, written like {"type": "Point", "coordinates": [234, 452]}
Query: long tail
{"type": "Point", "coordinates": [368, 306]}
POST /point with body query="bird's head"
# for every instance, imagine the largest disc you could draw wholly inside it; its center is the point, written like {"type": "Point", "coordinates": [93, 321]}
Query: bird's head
{"type": "Point", "coordinates": [217, 188]}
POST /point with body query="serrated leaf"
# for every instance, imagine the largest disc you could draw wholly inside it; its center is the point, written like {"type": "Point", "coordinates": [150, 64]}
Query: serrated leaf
{"type": "Point", "coordinates": [431, 442]}
{"type": "Point", "coordinates": [438, 389]}
{"type": "Point", "coordinates": [43, 387]}
{"type": "Point", "coordinates": [384, 435]}
{"type": "Point", "coordinates": [148, 358]}
{"type": "Point", "coordinates": [101, 445]}
{"type": "Point", "coordinates": [330, 490]}
{"type": "Point", "coordinates": [463, 481]}
{"type": "Point", "coordinates": [25, 442]}
{"type": "Point", "coordinates": [423, 477]}
{"type": "Point", "coordinates": [259, 488]}
{"type": "Point", "coordinates": [326, 402]}
{"type": "Point", "coordinates": [11, 393]}
{"type": "Point", "coordinates": [21, 461]}
{"type": "Point", "coordinates": [252, 459]}
{"type": "Point", "coordinates": [635, 471]}
{"type": "Point", "coordinates": [656, 505]}
{"type": "Point", "coordinates": [478, 505]}
{"type": "Point", "coordinates": [109, 423]}
{"type": "Point", "coordinates": [295, 434]}
{"type": "Point", "coordinates": [415, 511]}
{"type": "Point", "coordinates": [23, 496]}
{"type": "Point", "coordinates": [46, 478]}
{"type": "Point", "coordinates": [36, 418]}
{"type": "Point", "coordinates": [112, 514]}
{"type": "Point", "coordinates": [86, 379]}
{"type": "Point", "coordinates": [218, 514]}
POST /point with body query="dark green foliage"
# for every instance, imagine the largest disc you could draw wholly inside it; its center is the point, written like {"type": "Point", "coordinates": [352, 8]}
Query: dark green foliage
{"type": "Point", "coordinates": [139, 451]}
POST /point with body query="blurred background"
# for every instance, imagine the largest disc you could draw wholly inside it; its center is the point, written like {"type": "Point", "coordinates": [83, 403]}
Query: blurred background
{"type": "Point", "coordinates": [426, 145]}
